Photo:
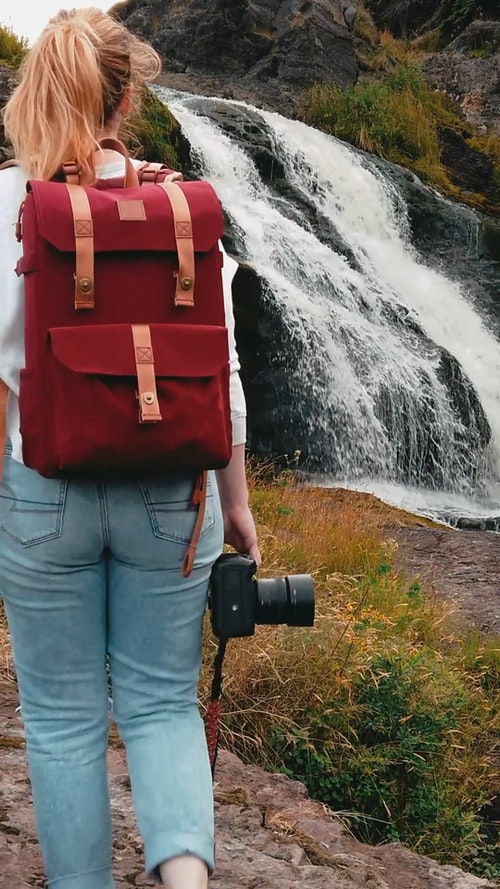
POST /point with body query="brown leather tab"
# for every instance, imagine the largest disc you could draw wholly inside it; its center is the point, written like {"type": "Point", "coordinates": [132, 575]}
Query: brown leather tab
{"type": "Point", "coordinates": [184, 291]}
{"type": "Point", "coordinates": [4, 394]}
{"type": "Point", "coordinates": [149, 407]}
{"type": "Point", "coordinates": [71, 172]}
{"type": "Point", "coordinates": [84, 242]}
{"type": "Point", "coordinates": [19, 224]}
{"type": "Point", "coordinates": [131, 211]}
{"type": "Point", "coordinates": [199, 500]}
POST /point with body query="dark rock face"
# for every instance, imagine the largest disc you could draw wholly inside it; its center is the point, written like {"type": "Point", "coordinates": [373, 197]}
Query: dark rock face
{"type": "Point", "coordinates": [278, 45]}
{"type": "Point", "coordinates": [7, 82]}
{"type": "Point", "coordinates": [469, 169]}
{"type": "Point", "coordinates": [407, 18]}
{"type": "Point", "coordinates": [478, 36]}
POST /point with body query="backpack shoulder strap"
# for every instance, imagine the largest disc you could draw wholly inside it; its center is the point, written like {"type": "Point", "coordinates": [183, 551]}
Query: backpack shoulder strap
{"type": "Point", "coordinates": [10, 163]}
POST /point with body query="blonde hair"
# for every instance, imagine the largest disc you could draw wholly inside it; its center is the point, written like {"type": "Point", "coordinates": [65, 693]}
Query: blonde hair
{"type": "Point", "coordinates": [73, 81]}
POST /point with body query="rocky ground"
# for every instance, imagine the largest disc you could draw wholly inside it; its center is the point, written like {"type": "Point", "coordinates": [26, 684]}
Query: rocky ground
{"type": "Point", "coordinates": [269, 833]}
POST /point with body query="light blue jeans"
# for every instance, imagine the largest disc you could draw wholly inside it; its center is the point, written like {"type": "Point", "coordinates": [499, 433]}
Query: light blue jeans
{"type": "Point", "coordinates": [89, 570]}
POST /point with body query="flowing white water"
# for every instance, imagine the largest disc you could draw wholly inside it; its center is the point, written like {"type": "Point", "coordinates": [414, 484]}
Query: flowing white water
{"type": "Point", "coordinates": [353, 357]}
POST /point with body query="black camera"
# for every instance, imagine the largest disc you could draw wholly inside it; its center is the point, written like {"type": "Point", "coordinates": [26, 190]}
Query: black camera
{"type": "Point", "coordinates": [237, 601]}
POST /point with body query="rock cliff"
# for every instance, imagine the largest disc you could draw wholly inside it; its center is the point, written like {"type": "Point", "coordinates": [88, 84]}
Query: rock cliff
{"type": "Point", "coordinates": [407, 18]}
{"type": "Point", "coordinates": [272, 48]}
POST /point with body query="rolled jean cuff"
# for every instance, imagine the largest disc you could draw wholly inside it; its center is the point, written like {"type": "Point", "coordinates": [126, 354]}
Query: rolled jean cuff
{"type": "Point", "coordinates": [101, 878]}
{"type": "Point", "coordinates": [164, 846]}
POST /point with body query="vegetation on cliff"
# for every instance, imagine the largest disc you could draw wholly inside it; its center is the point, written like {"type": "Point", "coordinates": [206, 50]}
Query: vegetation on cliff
{"type": "Point", "coordinates": [386, 709]}
{"type": "Point", "coordinates": [391, 112]}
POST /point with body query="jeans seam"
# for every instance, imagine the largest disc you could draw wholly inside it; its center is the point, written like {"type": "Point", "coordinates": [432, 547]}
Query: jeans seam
{"type": "Point", "coordinates": [103, 508]}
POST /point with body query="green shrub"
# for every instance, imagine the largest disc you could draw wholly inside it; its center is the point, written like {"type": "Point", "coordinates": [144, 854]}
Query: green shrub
{"type": "Point", "coordinates": [397, 118]}
{"type": "Point", "coordinates": [392, 118]}
{"type": "Point", "coordinates": [12, 48]}
{"type": "Point", "coordinates": [387, 754]}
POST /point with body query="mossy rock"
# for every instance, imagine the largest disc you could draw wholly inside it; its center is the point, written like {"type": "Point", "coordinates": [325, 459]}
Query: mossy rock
{"type": "Point", "coordinates": [154, 133]}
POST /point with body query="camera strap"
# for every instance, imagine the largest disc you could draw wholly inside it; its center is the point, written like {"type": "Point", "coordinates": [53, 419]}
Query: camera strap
{"type": "Point", "coordinates": [212, 715]}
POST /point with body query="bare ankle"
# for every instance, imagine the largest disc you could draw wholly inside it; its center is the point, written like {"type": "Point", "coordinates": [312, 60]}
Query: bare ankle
{"type": "Point", "coordinates": [184, 872]}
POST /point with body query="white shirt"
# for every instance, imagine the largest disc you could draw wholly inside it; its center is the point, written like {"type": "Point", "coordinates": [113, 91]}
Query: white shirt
{"type": "Point", "coordinates": [12, 191]}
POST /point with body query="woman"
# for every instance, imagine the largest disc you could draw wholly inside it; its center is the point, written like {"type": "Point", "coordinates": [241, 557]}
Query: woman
{"type": "Point", "coordinates": [89, 570]}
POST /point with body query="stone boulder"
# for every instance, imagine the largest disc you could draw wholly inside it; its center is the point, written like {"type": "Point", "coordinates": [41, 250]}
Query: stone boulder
{"type": "Point", "coordinates": [282, 46]}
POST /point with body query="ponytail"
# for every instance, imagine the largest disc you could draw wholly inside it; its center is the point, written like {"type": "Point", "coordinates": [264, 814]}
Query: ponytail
{"type": "Point", "coordinates": [72, 84]}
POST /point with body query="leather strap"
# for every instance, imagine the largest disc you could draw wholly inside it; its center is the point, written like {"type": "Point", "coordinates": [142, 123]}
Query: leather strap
{"type": "Point", "coordinates": [199, 500]}
{"type": "Point", "coordinates": [184, 291]}
{"type": "Point", "coordinates": [148, 174]}
{"type": "Point", "coordinates": [149, 407]}
{"type": "Point", "coordinates": [84, 243]}
{"type": "Point", "coordinates": [4, 394]}
{"type": "Point", "coordinates": [131, 177]}
{"type": "Point", "coordinates": [71, 172]}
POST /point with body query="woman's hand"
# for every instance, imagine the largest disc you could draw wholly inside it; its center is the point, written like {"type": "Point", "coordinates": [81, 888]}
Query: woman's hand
{"type": "Point", "coordinates": [239, 526]}
{"type": "Point", "coordinates": [240, 533]}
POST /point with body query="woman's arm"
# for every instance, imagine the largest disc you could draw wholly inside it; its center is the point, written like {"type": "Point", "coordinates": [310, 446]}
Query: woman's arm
{"type": "Point", "coordinates": [239, 526]}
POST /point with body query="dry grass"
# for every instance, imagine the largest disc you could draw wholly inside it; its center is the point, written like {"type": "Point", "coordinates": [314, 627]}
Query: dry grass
{"type": "Point", "coordinates": [343, 539]}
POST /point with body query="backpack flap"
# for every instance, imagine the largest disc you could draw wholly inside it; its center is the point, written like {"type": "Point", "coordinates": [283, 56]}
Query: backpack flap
{"type": "Point", "coordinates": [100, 227]}
{"type": "Point", "coordinates": [127, 219]}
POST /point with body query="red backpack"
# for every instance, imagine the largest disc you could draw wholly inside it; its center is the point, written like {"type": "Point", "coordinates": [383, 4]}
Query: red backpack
{"type": "Point", "coordinates": [127, 360]}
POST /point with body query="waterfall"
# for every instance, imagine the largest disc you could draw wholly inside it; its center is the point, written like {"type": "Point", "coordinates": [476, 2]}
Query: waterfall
{"type": "Point", "coordinates": [381, 335]}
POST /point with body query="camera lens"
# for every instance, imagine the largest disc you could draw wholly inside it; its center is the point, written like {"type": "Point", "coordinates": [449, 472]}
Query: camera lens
{"type": "Point", "coordinates": [285, 600]}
